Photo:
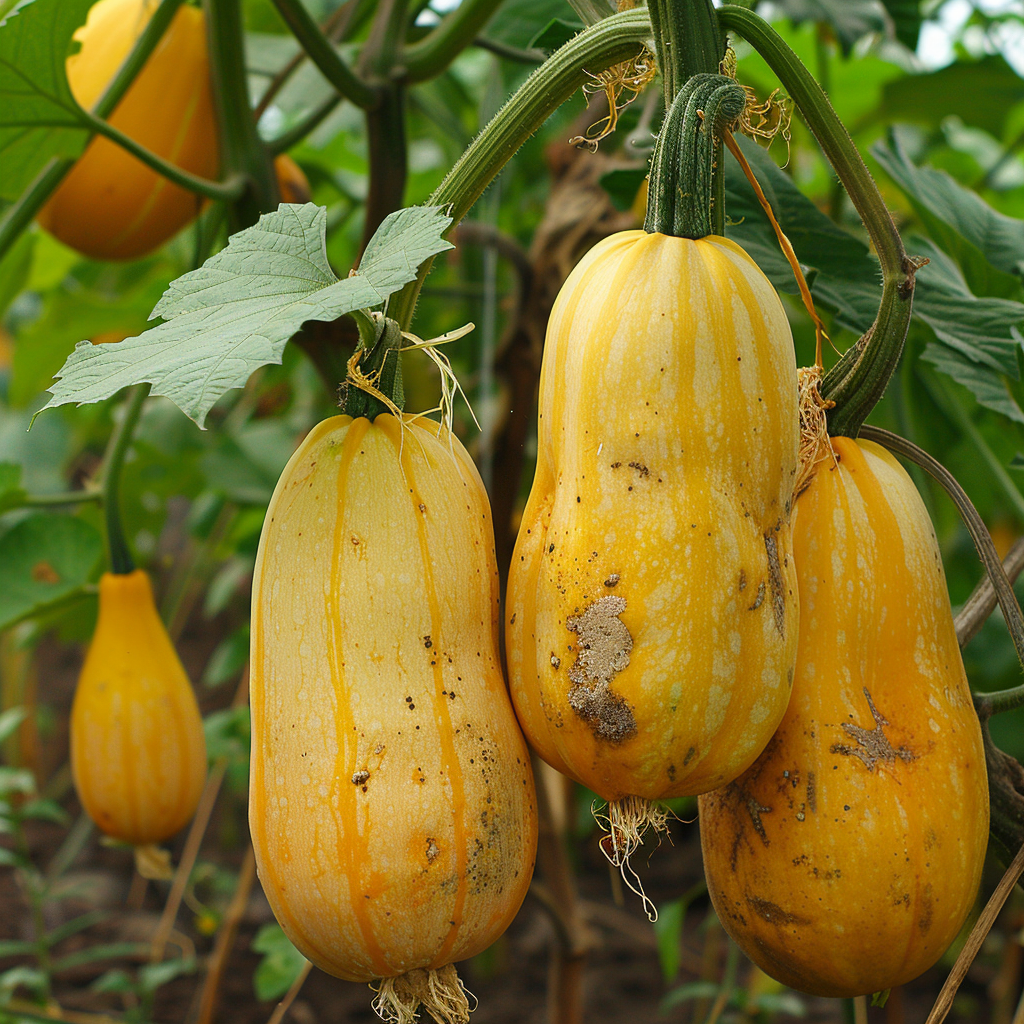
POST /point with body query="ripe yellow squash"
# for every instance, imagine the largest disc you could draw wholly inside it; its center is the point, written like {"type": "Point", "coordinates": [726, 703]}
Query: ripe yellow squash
{"type": "Point", "coordinates": [111, 206]}
{"type": "Point", "coordinates": [392, 803]}
{"type": "Point", "coordinates": [652, 608]}
{"type": "Point", "coordinates": [292, 183]}
{"type": "Point", "coordinates": [845, 860]}
{"type": "Point", "coordinates": [138, 754]}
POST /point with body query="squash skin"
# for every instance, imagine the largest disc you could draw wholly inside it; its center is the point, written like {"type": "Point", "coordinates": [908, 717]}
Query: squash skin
{"type": "Point", "coordinates": [847, 858]}
{"type": "Point", "coordinates": [392, 804]}
{"type": "Point", "coordinates": [292, 183]}
{"type": "Point", "coordinates": [667, 452]}
{"type": "Point", "coordinates": [111, 206]}
{"type": "Point", "coordinates": [138, 753]}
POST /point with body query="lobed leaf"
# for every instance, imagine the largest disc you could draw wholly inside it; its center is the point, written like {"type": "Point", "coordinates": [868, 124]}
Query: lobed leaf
{"type": "Point", "coordinates": [237, 312]}
{"type": "Point", "coordinates": [39, 118]}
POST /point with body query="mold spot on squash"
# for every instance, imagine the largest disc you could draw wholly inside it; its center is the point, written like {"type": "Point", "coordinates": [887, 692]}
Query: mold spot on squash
{"type": "Point", "coordinates": [360, 777]}
{"type": "Point", "coordinates": [756, 809]}
{"type": "Point", "coordinates": [775, 582]}
{"type": "Point", "coordinates": [603, 652]}
{"type": "Point", "coordinates": [772, 912]}
{"type": "Point", "coordinates": [872, 745]}
{"type": "Point", "coordinates": [432, 851]}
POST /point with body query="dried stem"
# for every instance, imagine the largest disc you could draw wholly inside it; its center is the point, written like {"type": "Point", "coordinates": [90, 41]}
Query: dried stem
{"type": "Point", "coordinates": [226, 938]}
{"type": "Point", "coordinates": [982, 602]}
{"type": "Point", "coordinates": [978, 935]}
{"type": "Point", "coordinates": [289, 997]}
{"type": "Point", "coordinates": [194, 840]}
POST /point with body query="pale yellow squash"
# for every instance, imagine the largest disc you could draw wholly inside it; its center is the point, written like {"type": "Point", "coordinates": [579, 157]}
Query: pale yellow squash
{"type": "Point", "coordinates": [392, 806]}
{"type": "Point", "coordinates": [138, 755]}
{"type": "Point", "coordinates": [652, 608]}
{"type": "Point", "coordinates": [847, 858]}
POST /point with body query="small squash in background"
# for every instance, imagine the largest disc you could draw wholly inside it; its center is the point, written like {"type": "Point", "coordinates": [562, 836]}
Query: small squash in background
{"type": "Point", "coordinates": [846, 859]}
{"type": "Point", "coordinates": [292, 183]}
{"type": "Point", "coordinates": [392, 803]}
{"type": "Point", "coordinates": [138, 754]}
{"type": "Point", "coordinates": [111, 206]}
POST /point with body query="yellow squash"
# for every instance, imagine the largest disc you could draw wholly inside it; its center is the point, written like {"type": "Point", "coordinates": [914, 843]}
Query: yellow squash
{"type": "Point", "coordinates": [111, 206]}
{"type": "Point", "coordinates": [392, 806]}
{"type": "Point", "coordinates": [137, 749]}
{"type": "Point", "coordinates": [652, 607]}
{"type": "Point", "coordinates": [847, 858]}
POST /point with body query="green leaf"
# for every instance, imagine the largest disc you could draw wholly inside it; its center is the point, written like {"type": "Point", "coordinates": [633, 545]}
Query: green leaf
{"type": "Point", "coordinates": [152, 976]}
{"type": "Point", "coordinates": [988, 245]}
{"type": "Point", "coordinates": [227, 733]}
{"type": "Point", "coordinates": [880, 998]}
{"type": "Point", "coordinates": [622, 185]}
{"type": "Point", "coordinates": [228, 658]}
{"type": "Point", "coordinates": [44, 559]}
{"type": "Point", "coordinates": [74, 926]}
{"type": "Point", "coordinates": [987, 387]}
{"type": "Point", "coordinates": [554, 34]}
{"type": "Point", "coordinates": [23, 977]}
{"type": "Point", "coordinates": [691, 990]}
{"type": "Point", "coordinates": [16, 780]}
{"type": "Point", "coordinates": [669, 930]}
{"type": "Point", "coordinates": [282, 963]}
{"type": "Point", "coordinates": [39, 118]}
{"type": "Point", "coordinates": [981, 93]}
{"type": "Point", "coordinates": [102, 951]}
{"type": "Point", "coordinates": [10, 720]}
{"type": "Point", "coordinates": [237, 312]}
{"type": "Point", "coordinates": [45, 810]}
{"type": "Point", "coordinates": [8, 858]}
{"type": "Point", "coordinates": [117, 980]}
{"type": "Point", "coordinates": [906, 17]}
{"type": "Point", "coordinates": [12, 494]}
{"type": "Point", "coordinates": [850, 19]}
{"type": "Point", "coordinates": [16, 947]}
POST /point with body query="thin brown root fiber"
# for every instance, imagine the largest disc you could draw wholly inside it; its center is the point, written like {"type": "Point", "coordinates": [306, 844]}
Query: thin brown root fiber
{"type": "Point", "coordinates": [440, 992]}
{"type": "Point", "coordinates": [626, 821]}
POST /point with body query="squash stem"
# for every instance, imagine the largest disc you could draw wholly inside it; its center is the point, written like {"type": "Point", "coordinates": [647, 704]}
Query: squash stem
{"type": "Point", "coordinates": [688, 41]}
{"type": "Point", "coordinates": [680, 195]}
{"type": "Point", "coordinates": [117, 546]}
{"type": "Point", "coordinates": [859, 379]}
{"type": "Point", "coordinates": [609, 42]}
{"type": "Point", "coordinates": [242, 150]}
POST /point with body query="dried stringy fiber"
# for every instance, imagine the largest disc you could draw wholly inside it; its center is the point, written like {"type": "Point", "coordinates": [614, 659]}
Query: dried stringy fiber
{"type": "Point", "coordinates": [815, 444]}
{"type": "Point", "coordinates": [439, 991]}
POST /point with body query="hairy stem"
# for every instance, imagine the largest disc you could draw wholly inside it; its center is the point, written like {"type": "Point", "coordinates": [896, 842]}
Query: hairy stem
{"type": "Point", "coordinates": [858, 380]}
{"type": "Point", "coordinates": [609, 42]}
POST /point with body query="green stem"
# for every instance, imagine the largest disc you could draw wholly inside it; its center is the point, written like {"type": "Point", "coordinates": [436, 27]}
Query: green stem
{"type": "Point", "coordinates": [324, 56]}
{"type": "Point", "coordinates": [21, 213]}
{"type": "Point", "coordinates": [982, 542]}
{"type": "Point", "coordinates": [680, 195]}
{"type": "Point", "coordinates": [298, 132]}
{"type": "Point", "coordinates": [65, 498]}
{"type": "Point", "coordinates": [228, 190]}
{"type": "Point", "coordinates": [688, 41]}
{"type": "Point", "coordinates": [380, 55]}
{"type": "Point", "coordinates": [457, 30]}
{"type": "Point", "coordinates": [609, 42]}
{"type": "Point", "coordinates": [242, 150]}
{"type": "Point", "coordinates": [513, 53]}
{"type": "Point", "coordinates": [858, 380]}
{"type": "Point", "coordinates": [386, 145]}
{"type": "Point", "coordinates": [380, 339]}
{"type": "Point", "coordinates": [117, 546]}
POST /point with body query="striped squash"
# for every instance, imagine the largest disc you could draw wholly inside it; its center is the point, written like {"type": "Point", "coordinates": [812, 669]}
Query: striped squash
{"type": "Point", "coordinates": [138, 755]}
{"type": "Point", "coordinates": [848, 856]}
{"type": "Point", "coordinates": [111, 206]}
{"type": "Point", "coordinates": [651, 615]}
{"type": "Point", "coordinates": [392, 804]}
